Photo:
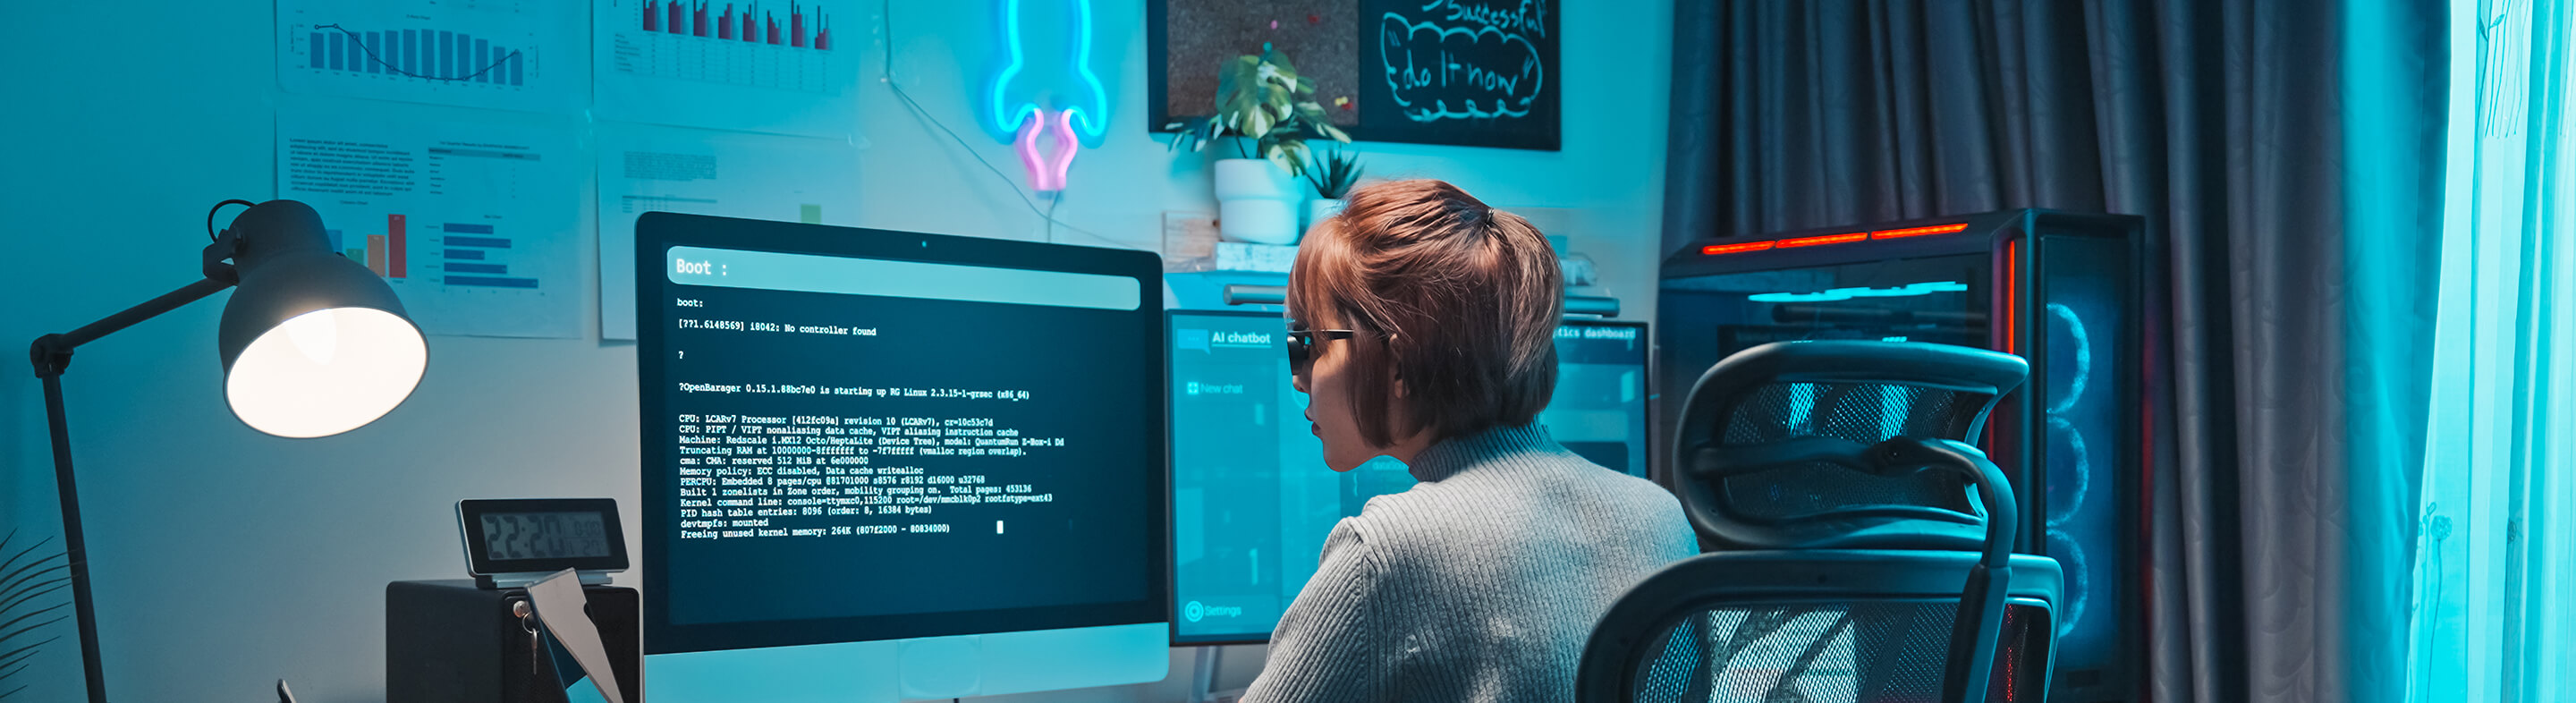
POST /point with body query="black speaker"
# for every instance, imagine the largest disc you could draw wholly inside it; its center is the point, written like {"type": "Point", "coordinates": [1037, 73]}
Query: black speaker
{"type": "Point", "coordinates": [449, 641]}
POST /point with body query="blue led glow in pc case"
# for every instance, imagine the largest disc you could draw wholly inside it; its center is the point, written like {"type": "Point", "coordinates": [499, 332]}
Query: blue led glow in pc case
{"type": "Point", "coordinates": [2063, 290]}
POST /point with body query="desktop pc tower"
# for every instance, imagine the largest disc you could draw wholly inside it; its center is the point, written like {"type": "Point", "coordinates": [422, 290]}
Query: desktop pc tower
{"type": "Point", "coordinates": [2065, 291]}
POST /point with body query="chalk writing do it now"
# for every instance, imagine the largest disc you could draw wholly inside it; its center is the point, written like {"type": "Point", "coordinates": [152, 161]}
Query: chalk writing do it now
{"type": "Point", "coordinates": [1464, 60]}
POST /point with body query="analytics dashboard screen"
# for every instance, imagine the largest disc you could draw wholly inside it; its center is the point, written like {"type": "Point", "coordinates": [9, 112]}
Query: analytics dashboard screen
{"type": "Point", "coordinates": [858, 435]}
{"type": "Point", "coordinates": [1251, 498]}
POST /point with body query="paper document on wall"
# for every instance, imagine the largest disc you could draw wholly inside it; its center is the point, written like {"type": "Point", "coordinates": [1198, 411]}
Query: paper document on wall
{"type": "Point", "coordinates": [780, 67]}
{"type": "Point", "coordinates": [468, 53]}
{"type": "Point", "coordinates": [474, 224]}
{"type": "Point", "coordinates": [662, 169]}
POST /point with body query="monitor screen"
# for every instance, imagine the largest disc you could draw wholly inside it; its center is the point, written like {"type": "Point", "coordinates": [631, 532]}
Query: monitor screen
{"type": "Point", "coordinates": [1251, 498]}
{"type": "Point", "coordinates": [857, 435]}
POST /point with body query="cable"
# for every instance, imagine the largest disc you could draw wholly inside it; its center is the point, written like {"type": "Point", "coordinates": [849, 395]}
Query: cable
{"type": "Point", "coordinates": [219, 207]}
{"type": "Point", "coordinates": [886, 21]}
{"type": "Point", "coordinates": [1050, 215]}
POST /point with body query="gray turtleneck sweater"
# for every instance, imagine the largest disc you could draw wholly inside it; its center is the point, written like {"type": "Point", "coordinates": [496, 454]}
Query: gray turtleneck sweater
{"type": "Point", "coordinates": [1480, 583]}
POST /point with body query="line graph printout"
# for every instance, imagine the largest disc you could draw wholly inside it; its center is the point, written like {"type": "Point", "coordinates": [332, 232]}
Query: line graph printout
{"type": "Point", "coordinates": [468, 221]}
{"type": "Point", "coordinates": [646, 169]}
{"type": "Point", "coordinates": [499, 54]}
{"type": "Point", "coordinates": [778, 66]}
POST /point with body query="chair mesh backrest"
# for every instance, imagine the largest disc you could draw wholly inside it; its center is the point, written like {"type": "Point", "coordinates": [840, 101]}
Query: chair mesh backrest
{"type": "Point", "coordinates": [1867, 413]}
{"type": "Point", "coordinates": [1852, 652]}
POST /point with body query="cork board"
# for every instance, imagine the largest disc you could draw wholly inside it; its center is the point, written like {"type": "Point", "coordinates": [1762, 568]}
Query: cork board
{"type": "Point", "coordinates": [1191, 37]}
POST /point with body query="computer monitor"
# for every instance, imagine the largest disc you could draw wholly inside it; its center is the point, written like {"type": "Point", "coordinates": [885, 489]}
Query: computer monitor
{"type": "Point", "coordinates": [1251, 498]}
{"type": "Point", "coordinates": [881, 465]}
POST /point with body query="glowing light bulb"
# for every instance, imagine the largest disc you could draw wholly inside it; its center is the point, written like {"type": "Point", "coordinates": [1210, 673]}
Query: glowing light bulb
{"type": "Point", "coordinates": [316, 334]}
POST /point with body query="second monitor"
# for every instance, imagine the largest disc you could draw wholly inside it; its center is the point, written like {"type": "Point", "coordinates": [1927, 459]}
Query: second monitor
{"type": "Point", "coordinates": [1251, 498]}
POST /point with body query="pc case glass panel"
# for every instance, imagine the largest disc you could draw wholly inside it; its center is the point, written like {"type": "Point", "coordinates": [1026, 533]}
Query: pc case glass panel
{"type": "Point", "coordinates": [2085, 449]}
{"type": "Point", "coordinates": [1941, 299]}
{"type": "Point", "coordinates": [1938, 299]}
{"type": "Point", "coordinates": [1935, 299]}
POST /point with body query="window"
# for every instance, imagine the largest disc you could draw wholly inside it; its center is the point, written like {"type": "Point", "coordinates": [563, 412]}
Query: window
{"type": "Point", "coordinates": [2494, 612]}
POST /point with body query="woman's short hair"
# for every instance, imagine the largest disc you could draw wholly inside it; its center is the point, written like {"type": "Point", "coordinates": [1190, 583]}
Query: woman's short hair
{"type": "Point", "coordinates": [1455, 300]}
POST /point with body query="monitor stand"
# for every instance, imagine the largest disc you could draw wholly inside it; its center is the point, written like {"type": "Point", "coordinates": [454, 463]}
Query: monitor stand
{"type": "Point", "coordinates": [966, 666]}
{"type": "Point", "coordinates": [1204, 676]}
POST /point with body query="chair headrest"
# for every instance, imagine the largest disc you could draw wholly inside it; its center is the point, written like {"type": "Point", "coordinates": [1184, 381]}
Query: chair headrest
{"type": "Point", "coordinates": [1792, 408]}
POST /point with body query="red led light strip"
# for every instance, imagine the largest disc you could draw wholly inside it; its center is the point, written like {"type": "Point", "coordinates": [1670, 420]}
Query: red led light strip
{"type": "Point", "coordinates": [1715, 249]}
{"type": "Point", "coordinates": [1821, 240]}
{"type": "Point", "coordinates": [2012, 296]}
{"type": "Point", "coordinates": [1918, 231]}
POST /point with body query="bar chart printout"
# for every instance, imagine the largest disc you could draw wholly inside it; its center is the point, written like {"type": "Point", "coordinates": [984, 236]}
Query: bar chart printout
{"type": "Point", "coordinates": [749, 25]}
{"type": "Point", "coordinates": [763, 65]}
{"type": "Point", "coordinates": [383, 252]}
{"type": "Point", "coordinates": [419, 54]}
{"type": "Point", "coordinates": [458, 218]}
{"type": "Point", "coordinates": [467, 254]}
{"type": "Point", "coordinates": [470, 54]}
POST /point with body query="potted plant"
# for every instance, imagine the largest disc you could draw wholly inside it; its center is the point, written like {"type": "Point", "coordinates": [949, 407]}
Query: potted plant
{"type": "Point", "coordinates": [1331, 175]}
{"type": "Point", "coordinates": [1269, 112]}
{"type": "Point", "coordinates": [28, 576]}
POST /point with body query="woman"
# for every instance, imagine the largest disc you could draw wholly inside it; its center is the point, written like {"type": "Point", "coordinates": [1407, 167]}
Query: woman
{"type": "Point", "coordinates": [1423, 329]}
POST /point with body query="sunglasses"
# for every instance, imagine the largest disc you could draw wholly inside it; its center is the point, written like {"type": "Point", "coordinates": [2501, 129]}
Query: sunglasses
{"type": "Point", "coordinates": [1301, 347]}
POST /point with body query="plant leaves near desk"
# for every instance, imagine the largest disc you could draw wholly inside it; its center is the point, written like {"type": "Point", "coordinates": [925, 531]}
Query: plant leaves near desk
{"type": "Point", "coordinates": [27, 577]}
{"type": "Point", "coordinates": [1261, 99]}
{"type": "Point", "coordinates": [1240, 96]}
{"type": "Point", "coordinates": [1333, 175]}
{"type": "Point", "coordinates": [1197, 132]}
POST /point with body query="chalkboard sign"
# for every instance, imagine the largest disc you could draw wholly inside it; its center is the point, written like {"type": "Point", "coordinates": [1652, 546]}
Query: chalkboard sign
{"type": "Point", "coordinates": [1469, 72]}
{"type": "Point", "coordinates": [1464, 72]}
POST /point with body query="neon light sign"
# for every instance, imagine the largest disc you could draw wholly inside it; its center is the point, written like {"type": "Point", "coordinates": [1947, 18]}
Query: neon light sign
{"type": "Point", "coordinates": [1049, 96]}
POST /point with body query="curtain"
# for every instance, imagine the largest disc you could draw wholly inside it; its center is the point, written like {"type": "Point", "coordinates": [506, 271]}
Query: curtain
{"type": "Point", "coordinates": [2285, 155]}
{"type": "Point", "coordinates": [2494, 617]}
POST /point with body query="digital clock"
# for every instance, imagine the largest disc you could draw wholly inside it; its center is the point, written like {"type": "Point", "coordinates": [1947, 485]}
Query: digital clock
{"type": "Point", "coordinates": [512, 542]}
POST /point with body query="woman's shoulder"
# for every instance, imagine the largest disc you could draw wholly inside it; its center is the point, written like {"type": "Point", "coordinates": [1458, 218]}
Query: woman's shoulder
{"type": "Point", "coordinates": [1423, 516]}
{"type": "Point", "coordinates": [1554, 487]}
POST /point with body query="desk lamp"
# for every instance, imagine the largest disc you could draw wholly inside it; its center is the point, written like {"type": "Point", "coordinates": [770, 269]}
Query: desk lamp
{"type": "Point", "coordinates": [313, 345]}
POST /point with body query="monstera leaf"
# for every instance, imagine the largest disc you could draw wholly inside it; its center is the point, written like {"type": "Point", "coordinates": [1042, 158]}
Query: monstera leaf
{"type": "Point", "coordinates": [30, 578]}
{"type": "Point", "coordinates": [1261, 100]}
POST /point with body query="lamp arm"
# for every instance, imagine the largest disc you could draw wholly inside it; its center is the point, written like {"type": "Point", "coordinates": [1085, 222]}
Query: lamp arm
{"type": "Point", "coordinates": [51, 354]}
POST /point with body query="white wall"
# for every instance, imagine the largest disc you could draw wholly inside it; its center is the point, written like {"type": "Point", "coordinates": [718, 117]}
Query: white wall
{"type": "Point", "coordinates": [225, 559]}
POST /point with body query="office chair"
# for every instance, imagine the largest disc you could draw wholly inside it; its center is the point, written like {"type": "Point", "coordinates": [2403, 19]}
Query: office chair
{"type": "Point", "coordinates": [1850, 559]}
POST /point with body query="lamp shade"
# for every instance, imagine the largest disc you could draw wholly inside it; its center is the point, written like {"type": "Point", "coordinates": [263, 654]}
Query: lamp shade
{"type": "Point", "coordinates": [313, 344]}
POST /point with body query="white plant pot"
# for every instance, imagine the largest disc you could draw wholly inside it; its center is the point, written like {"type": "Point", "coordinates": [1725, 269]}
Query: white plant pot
{"type": "Point", "coordinates": [1252, 178]}
{"type": "Point", "coordinates": [1255, 202]}
{"type": "Point", "coordinates": [1257, 221]}
{"type": "Point", "coordinates": [1321, 209]}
